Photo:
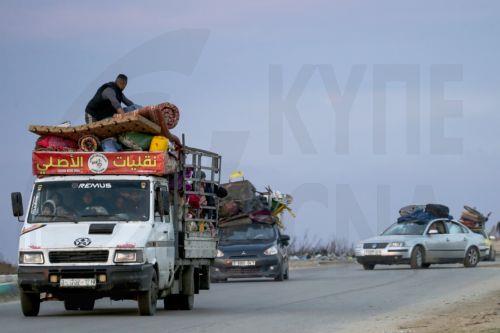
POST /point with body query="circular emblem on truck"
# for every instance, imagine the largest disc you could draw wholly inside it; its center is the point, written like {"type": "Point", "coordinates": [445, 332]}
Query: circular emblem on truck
{"type": "Point", "coordinates": [82, 242]}
{"type": "Point", "coordinates": [98, 163]}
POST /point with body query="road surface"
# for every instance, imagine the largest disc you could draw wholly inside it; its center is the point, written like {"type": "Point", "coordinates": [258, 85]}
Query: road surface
{"type": "Point", "coordinates": [327, 299]}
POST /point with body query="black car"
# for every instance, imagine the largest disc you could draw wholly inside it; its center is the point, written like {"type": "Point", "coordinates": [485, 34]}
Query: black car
{"type": "Point", "coordinates": [251, 250]}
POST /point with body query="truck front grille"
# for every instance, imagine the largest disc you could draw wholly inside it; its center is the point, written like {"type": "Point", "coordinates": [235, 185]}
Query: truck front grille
{"type": "Point", "coordinates": [375, 245]}
{"type": "Point", "coordinates": [57, 257]}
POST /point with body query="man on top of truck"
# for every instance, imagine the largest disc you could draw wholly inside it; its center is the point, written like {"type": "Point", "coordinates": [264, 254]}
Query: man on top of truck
{"type": "Point", "coordinates": [108, 100]}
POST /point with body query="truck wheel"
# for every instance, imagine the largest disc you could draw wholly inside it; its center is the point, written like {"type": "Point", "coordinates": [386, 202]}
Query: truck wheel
{"type": "Point", "coordinates": [417, 258]}
{"type": "Point", "coordinates": [471, 257]}
{"type": "Point", "coordinates": [30, 304]}
{"type": "Point", "coordinates": [147, 299]}
{"type": "Point", "coordinates": [368, 267]}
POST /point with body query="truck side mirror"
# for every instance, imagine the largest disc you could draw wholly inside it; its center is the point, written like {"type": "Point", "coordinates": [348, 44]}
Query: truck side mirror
{"type": "Point", "coordinates": [17, 204]}
{"type": "Point", "coordinates": [284, 239]}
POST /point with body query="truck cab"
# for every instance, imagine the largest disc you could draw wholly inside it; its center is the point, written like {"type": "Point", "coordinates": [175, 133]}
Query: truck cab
{"type": "Point", "coordinates": [87, 237]}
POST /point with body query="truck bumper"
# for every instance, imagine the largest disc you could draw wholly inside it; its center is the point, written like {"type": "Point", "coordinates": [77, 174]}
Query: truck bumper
{"type": "Point", "coordinates": [120, 280]}
{"type": "Point", "coordinates": [264, 267]}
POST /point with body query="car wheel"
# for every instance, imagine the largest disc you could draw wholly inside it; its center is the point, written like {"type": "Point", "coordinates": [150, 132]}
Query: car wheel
{"type": "Point", "coordinates": [417, 258]}
{"type": "Point", "coordinates": [368, 267]}
{"type": "Point", "coordinates": [471, 257]}
{"type": "Point", "coordinates": [426, 265]}
{"type": "Point", "coordinates": [147, 299]}
{"type": "Point", "coordinates": [30, 304]}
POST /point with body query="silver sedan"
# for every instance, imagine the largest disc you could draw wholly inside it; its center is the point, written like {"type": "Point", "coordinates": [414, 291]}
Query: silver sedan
{"type": "Point", "coordinates": [422, 243]}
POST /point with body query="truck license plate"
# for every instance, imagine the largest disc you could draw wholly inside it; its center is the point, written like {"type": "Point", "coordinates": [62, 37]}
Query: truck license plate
{"type": "Point", "coordinates": [370, 252]}
{"type": "Point", "coordinates": [77, 283]}
{"type": "Point", "coordinates": [243, 263]}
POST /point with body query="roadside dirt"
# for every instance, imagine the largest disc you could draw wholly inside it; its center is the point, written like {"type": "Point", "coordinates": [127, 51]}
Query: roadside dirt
{"type": "Point", "coordinates": [480, 315]}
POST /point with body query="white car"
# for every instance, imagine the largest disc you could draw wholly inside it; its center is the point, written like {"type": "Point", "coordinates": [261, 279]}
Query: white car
{"type": "Point", "coordinates": [422, 243]}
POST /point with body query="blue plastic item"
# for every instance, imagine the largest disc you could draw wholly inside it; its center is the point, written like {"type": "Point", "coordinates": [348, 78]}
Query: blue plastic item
{"type": "Point", "coordinates": [111, 145]}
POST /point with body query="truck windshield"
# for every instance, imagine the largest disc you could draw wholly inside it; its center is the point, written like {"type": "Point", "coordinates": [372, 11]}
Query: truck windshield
{"type": "Point", "coordinates": [406, 228]}
{"type": "Point", "coordinates": [248, 232]}
{"type": "Point", "coordinates": [63, 201]}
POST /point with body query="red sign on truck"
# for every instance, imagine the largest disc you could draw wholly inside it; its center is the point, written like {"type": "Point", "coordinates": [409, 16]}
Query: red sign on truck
{"type": "Point", "coordinates": [122, 163]}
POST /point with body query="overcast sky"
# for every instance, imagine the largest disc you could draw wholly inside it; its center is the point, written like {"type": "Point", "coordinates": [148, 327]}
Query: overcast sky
{"type": "Point", "coordinates": [355, 107]}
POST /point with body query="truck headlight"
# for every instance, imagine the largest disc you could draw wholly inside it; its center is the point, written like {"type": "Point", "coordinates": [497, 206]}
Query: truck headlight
{"type": "Point", "coordinates": [271, 251]}
{"type": "Point", "coordinates": [128, 256]}
{"type": "Point", "coordinates": [31, 258]}
{"type": "Point", "coordinates": [397, 244]}
{"type": "Point", "coordinates": [220, 254]}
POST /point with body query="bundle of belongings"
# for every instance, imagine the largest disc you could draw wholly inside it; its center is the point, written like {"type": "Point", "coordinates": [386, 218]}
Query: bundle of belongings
{"type": "Point", "coordinates": [423, 212]}
{"type": "Point", "coordinates": [244, 204]}
{"type": "Point", "coordinates": [473, 219]}
{"type": "Point", "coordinates": [145, 129]}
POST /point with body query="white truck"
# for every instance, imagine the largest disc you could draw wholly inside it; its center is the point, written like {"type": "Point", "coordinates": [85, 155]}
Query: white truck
{"type": "Point", "coordinates": [111, 225]}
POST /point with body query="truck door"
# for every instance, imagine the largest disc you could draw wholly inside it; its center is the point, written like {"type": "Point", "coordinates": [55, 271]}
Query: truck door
{"type": "Point", "coordinates": [162, 243]}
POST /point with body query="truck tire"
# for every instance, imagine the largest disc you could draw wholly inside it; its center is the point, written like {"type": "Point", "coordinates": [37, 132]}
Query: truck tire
{"type": "Point", "coordinates": [417, 257]}
{"type": "Point", "coordinates": [84, 304]}
{"type": "Point", "coordinates": [471, 257]}
{"type": "Point", "coordinates": [368, 267]}
{"type": "Point", "coordinates": [30, 304]}
{"type": "Point", "coordinates": [147, 299]}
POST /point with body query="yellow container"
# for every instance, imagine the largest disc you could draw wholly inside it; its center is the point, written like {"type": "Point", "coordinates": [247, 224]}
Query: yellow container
{"type": "Point", "coordinates": [159, 143]}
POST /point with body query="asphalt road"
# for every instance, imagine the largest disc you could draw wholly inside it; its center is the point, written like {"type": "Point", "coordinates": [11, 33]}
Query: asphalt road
{"type": "Point", "coordinates": [326, 299]}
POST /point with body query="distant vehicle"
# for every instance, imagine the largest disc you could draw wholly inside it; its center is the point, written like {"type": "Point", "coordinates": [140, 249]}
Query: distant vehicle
{"type": "Point", "coordinates": [251, 250]}
{"type": "Point", "coordinates": [422, 243]}
{"type": "Point", "coordinates": [490, 242]}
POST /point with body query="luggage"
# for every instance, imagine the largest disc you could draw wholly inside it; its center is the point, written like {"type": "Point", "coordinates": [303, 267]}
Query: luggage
{"type": "Point", "coordinates": [111, 145]}
{"type": "Point", "coordinates": [89, 143]}
{"type": "Point", "coordinates": [411, 209]}
{"type": "Point", "coordinates": [135, 140]}
{"type": "Point", "coordinates": [159, 143]}
{"type": "Point", "coordinates": [473, 219]}
{"type": "Point", "coordinates": [55, 143]}
{"type": "Point", "coordinates": [437, 210]}
{"type": "Point", "coordinates": [423, 212]}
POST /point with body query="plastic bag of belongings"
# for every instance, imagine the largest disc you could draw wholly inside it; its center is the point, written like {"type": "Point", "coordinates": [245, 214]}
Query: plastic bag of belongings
{"type": "Point", "coordinates": [423, 212]}
{"type": "Point", "coordinates": [473, 219]}
{"type": "Point", "coordinates": [244, 204]}
{"type": "Point", "coordinates": [144, 129]}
